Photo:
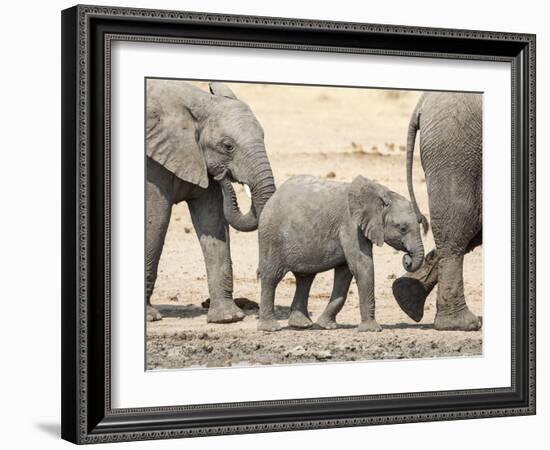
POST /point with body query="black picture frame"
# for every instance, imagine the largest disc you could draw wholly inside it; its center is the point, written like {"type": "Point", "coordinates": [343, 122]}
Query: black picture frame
{"type": "Point", "coordinates": [87, 32]}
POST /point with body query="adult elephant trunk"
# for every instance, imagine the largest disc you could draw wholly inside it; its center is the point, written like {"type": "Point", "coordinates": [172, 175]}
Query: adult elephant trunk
{"type": "Point", "coordinates": [262, 188]}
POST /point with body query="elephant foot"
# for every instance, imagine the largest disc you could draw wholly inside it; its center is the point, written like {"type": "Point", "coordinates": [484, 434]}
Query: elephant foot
{"type": "Point", "coordinates": [327, 323]}
{"type": "Point", "coordinates": [463, 320]}
{"type": "Point", "coordinates": [268, 325]}
{"type": "Point", "coordinates": [369, 325]}
{"type": "Point", "coordinates": [152, 314]}
{"type": "Point", "coordinates": [411, 296]}
{"type": "Point", "coordinates": [298, 319]}
{"type": "Point", "coordinates": [224, 312]}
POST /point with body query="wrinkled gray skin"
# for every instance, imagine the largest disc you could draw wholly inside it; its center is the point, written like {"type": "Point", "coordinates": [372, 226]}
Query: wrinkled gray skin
{"type": "Point", "coordinates": [450, 126]}
{"type": "Point", "coordinates": [310, 226]}
{"type": "Point", "coordinates": [198, 142]}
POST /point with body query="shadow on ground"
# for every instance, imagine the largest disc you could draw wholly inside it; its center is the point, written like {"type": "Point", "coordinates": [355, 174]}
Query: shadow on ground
{"type": "Point", "coordinates": [181, 310]}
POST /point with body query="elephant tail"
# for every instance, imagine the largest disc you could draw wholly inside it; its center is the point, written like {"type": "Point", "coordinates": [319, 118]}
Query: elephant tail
{"type": "Point", "coordinates": [414, 126]}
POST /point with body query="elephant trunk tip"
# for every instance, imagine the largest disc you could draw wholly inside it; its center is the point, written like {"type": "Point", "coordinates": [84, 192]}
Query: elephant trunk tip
{"type": "Point", "coordinates": [412, 263]}
{"type": "Point", "coordinates": [407, 262]}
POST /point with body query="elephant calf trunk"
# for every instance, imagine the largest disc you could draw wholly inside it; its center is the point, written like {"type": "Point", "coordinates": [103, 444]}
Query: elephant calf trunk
{"type": "Point", "coordinates": [413, 260]}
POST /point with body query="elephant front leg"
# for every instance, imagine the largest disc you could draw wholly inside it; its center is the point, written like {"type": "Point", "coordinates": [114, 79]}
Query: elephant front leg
{"type": "Point", "coordinates": [213, 233]}
{"type": "Point", "coordinates": [452, 311]}
{"type": "Point", "coordinates": [299, 316]}
{"type": "Point", "coordinates": [411, 289]}
{"type": "Point", "coordinates": [342, 280]}
{"type": "Point", "coordinates": [159, 208]}
{"type": "Point", "coordinates": [267, 320]}
{"type": "Point", "coordinates": [363, 270]}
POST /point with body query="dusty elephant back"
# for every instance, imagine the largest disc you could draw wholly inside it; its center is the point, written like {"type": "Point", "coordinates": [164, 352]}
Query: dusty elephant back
{"type": "Point", "coordinates": [302, 201]}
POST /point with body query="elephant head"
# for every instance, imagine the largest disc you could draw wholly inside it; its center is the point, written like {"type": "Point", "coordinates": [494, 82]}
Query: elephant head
{"type": "Point", "coordinates": [199, 135]}
{"type": "Point", "coordinates": [385, 216]}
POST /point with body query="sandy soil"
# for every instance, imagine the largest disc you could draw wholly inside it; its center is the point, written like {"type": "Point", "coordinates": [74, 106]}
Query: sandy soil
{"type": "Point", "coordinates": [327, 132]}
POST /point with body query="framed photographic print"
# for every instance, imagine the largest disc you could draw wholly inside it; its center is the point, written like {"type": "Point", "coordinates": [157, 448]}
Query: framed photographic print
{"type": "Point", "coordinates": [280, 224]}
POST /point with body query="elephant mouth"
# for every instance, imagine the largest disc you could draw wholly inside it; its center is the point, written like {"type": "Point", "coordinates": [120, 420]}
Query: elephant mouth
{"type": "Point", "coordinates": [234, 181]}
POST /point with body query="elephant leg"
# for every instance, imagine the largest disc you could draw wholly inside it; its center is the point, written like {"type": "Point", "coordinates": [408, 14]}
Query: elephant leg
{"type": "Point", "coordinates": [159, 208]}
{"type": "Point", "coordinates": [452, 311]}
{"type": "Point", "coordinates": [267, 320]}
{"type": "Point", "coordinates": [299, 316]}
{"type": "Point", "coordinates": [360, 263]}
{"type": "Point", "coordinates": [213, 233]}
{"type": "Point", "coordinates": [412, 288]}
{"type": "Point", "coordinates": [342, 280]}
{"type": "Point", "coordinates": [456, 230]}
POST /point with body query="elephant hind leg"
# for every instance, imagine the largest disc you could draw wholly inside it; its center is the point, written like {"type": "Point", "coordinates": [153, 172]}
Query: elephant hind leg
{"type": "Point", "coordinates": [299, 316]}
{"type": "Point", "coordinates": [340, 289]}
{"type": "Point", "coordinates": [452, 311]}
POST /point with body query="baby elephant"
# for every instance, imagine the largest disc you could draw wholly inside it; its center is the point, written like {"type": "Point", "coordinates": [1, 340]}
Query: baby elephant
{"type": "Point", "coordinates": [310, 226]}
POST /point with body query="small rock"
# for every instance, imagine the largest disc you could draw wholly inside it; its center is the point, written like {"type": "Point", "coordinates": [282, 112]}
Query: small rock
{"type": "Point", "coordinates": [173, 298]}
{"type": "Point", "coordinates": [208, 348]}
{"type": "Point", "coordinates": [392, 276]}
{"type": "Point", "coordinates": [187, 230]}
{"type": "Point", "coordinates": [322, 355]}
{"type": "Point", "coordinates": [331, 174]}
{"type": "Point", "coordinates": [203, 336]}
{"type": "Point", "coordinates": [297, 351]}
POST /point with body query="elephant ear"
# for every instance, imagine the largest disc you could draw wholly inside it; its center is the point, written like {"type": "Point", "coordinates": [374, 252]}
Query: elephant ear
{"type": "Point", "coordinates": [171, 135]}
{"type": "Point", "coordinates": [368, 202]}
{"type": "Point", "coordinates": [222, 90]}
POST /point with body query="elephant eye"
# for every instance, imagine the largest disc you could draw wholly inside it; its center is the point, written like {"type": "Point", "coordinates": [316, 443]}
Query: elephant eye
{"type": "Point", "coordinates": [403, 228]}
{"type": "Point", "coordinates": [228, 146]}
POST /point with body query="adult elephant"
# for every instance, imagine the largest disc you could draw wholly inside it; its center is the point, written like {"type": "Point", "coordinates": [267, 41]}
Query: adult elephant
{"type": "Point", "coordinates": [450, 127]}
{"type": "Point", "coordinates": [197, 143]}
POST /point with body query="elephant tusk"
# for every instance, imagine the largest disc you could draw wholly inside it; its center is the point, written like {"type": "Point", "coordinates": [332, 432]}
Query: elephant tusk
{"type": "Point", "coordinates": [247, 190]}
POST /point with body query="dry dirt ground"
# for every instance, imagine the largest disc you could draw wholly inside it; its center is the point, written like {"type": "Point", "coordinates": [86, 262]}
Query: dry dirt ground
{"type": "Point", "coordinates": [328, 132]}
